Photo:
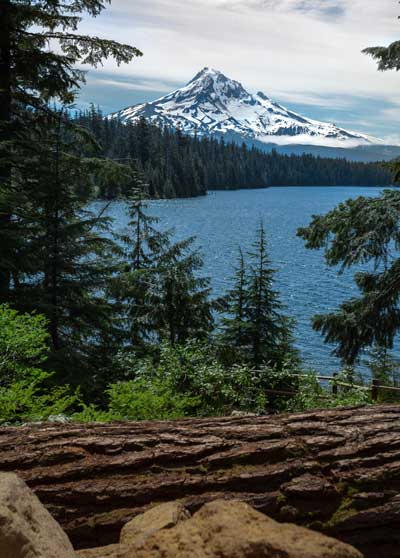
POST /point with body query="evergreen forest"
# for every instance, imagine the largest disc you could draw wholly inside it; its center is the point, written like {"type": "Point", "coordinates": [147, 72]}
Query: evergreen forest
{"type": "Point", "coordinates": [174, 165]}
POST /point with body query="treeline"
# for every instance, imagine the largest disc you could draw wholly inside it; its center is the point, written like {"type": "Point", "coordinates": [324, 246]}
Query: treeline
{"type": "Point", "coordinates": [176, 165]}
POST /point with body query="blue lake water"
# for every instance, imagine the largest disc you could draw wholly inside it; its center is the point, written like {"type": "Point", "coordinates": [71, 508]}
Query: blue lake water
{"type": "Point", "coordinates": [225, 220]}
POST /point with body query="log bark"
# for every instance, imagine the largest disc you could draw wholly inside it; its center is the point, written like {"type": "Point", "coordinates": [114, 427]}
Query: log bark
{"type": "Point", "coordinates": [336, 471]}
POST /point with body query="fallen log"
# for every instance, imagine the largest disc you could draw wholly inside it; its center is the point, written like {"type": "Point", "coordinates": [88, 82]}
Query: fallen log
{"type": "Point", "coordinates": [336, 471]}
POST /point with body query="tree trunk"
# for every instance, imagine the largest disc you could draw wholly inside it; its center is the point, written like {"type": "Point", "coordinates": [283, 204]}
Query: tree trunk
{"type": "Point", "coordinates": [5, 137]}
{"type": "Point", "coordinates": [337, 471]}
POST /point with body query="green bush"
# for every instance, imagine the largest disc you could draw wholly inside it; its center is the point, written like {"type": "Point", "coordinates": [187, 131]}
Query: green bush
{"type": "Point", "coordinates": [139, 400]}
{"type": "Point", "coordinates": [29, 400]}
{"type": "Point", "coordinates": [23, 344]}
{"type": "Point", "coordinates": [312, 395]}
{"type": "Point", "coordinates": [182, 380]}
{"type": "Point", "coordinates": [193, 370]}
{"type": "Point", "coordinates": [25, 390]}
{"type": "Point", "coordinates": [146, 400]}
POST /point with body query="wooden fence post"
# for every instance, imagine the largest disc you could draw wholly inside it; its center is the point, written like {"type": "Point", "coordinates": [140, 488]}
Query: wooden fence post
{"type": "Point", "coordinates": [334, 385]}
{"type": "Point", "coordinates": [374, 389]}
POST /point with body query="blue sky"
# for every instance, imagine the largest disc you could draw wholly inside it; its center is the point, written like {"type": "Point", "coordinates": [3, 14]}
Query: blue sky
{"type": "Point", "coordinates": [305, 54]}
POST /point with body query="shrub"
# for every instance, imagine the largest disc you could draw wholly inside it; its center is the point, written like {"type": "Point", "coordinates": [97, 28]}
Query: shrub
{"type": "Point", "coordinates": [25, 392]}
{"type": "Point", "coordinates": [23, 343]}
{"type": "Point", "coordinates": [312, 395]}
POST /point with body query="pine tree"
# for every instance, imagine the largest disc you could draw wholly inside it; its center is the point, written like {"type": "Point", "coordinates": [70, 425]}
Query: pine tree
{"type": "Point", "coordinates": [180, 297]}
{"type": "Point", "coordinates": [53, 258]}
{"type": "Point", "coordinates": [364, 231]}
{"type": "Point", "coordinates": [233, 307]}
{"type": "Point", "coordinates": [162, 297]}
{"type": "Point", "coordinates": [361, 231]}
{"type": "Point", "coordinates": [255, 323]}
{"type": "Point", "coordinates": [132, 286]}
{"type": "Point", "coordinates": [68, 257]}
{"type": "Point", "coordinates": [268, 330]}
{"type": "Point", "coordinates": [32, 76]}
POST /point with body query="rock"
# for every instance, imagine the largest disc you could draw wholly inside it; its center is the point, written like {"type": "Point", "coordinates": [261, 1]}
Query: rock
{"type": "Point", "coordinates": [163, 516]}
{"type": "Point", "coordinates": [232, 529]}
{"type": "Point", "coordinates": [27, 530]}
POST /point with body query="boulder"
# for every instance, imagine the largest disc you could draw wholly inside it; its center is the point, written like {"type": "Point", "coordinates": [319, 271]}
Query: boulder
{"type": "Point", "coordinates": [27, 530]}
{"type": "Point", "coordinates": [163, 516]}
{"type": "Point", "coordinates": [232, 529]}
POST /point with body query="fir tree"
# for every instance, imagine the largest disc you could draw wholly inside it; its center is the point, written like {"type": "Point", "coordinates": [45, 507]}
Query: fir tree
{"type": "Point", "coordinates": [68, 258]}
{"type": "Point", "coordinates": [268, 330]}
{"type": "Point", "coordinates": [143, 244]}
{"type": "Point", "coordinates": [361, 231]}
{"type": "Point", "coordinates": [32, 76]}
{"type": "Point", "coordinates": [182, 307]}
{"type": "Point", "coordinates": [161, 295]}
{"type": "Point", "coordinates": [255, 323]}
{"type": "Point", "coordinates": [233, 306]}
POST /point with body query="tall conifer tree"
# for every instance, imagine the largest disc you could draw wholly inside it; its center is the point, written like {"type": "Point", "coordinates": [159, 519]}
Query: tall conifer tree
{"type": "Point", "coordinates": [233, 306]}
{"type": "Point", "coordinates": [255, 322]}
{"type": "Point", "coordinates": [32, 76]}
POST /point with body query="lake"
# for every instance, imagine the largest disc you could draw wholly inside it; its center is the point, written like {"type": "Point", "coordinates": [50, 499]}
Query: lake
{"type": "Point", "coordinates": [225, 220]}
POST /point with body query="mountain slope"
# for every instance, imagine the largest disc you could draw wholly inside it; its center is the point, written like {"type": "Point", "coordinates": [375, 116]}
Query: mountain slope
{"type": "Point", "coordinates": [213, 105]}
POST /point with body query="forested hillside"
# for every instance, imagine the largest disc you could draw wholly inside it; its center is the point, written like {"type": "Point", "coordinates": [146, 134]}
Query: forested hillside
{"type": "Point", "coordinates": [176, 165]}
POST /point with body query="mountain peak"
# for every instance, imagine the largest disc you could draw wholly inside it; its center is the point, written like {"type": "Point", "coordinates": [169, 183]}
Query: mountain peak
{"type": "Point", "coordinates": [211, 104]}
{"type": "Point", "coordinates": [210, 71]}
{"type": "Point", "coordinates": [210, 75]}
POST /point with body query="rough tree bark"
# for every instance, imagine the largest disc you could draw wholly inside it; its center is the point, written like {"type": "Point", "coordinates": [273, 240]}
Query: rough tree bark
{"type": "Point", "coordinates": [337, 471]}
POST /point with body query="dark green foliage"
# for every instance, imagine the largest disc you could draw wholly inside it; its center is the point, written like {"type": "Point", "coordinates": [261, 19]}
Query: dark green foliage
{"type": "Point", "coordinates": [54, 257]}
{"type": "Point", "coordinates": [37, 74]}
{"type": "Point", "coordinates": [255, 325]}
{"type": "Point", "coordinates": [384, 367]}
{"type": "Point", "coordinates": [65, 258]}
{"type": "Point", "coordinates": [193, 371]}
{"type": "Point", "coordinates": [181, 296]}
{"type": "Point", "coordinates": [362, 231]}
{"type": "Point", "coordinates": [233, 306]}
{"type": "Point", "coordinates": [388, 58]}
{"type": "Point", "coordinates": [175, 165]}
{"type": "Point", "coordinates": [133, 285]}
{"type": "Point", "coordinates": [162, 293]}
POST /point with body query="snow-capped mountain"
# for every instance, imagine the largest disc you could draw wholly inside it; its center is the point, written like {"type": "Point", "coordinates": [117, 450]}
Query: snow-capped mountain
{"type": "Point", "coordinates": [212, 104]}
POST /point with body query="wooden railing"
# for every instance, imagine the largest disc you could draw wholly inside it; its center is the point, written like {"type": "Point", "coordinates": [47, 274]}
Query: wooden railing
{"type": "Point", "coordinates": [374, 387]}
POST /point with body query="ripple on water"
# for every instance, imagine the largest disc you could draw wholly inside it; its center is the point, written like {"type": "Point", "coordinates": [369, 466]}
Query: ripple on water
{"type": "Point", "coordinates": [223, 221]}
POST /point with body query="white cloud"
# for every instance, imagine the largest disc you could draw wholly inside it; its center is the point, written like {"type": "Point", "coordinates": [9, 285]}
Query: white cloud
{"type": "Point", "coordinates": [294, 50]}
{"type": "Point", "coordinates": [152, 85]}
{"type": "Point", "coordinates": [306, 98]}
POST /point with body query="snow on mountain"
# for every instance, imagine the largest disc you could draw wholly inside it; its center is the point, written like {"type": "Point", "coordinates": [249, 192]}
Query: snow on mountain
{"type": "Point", "coordinates": [212, 104]}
